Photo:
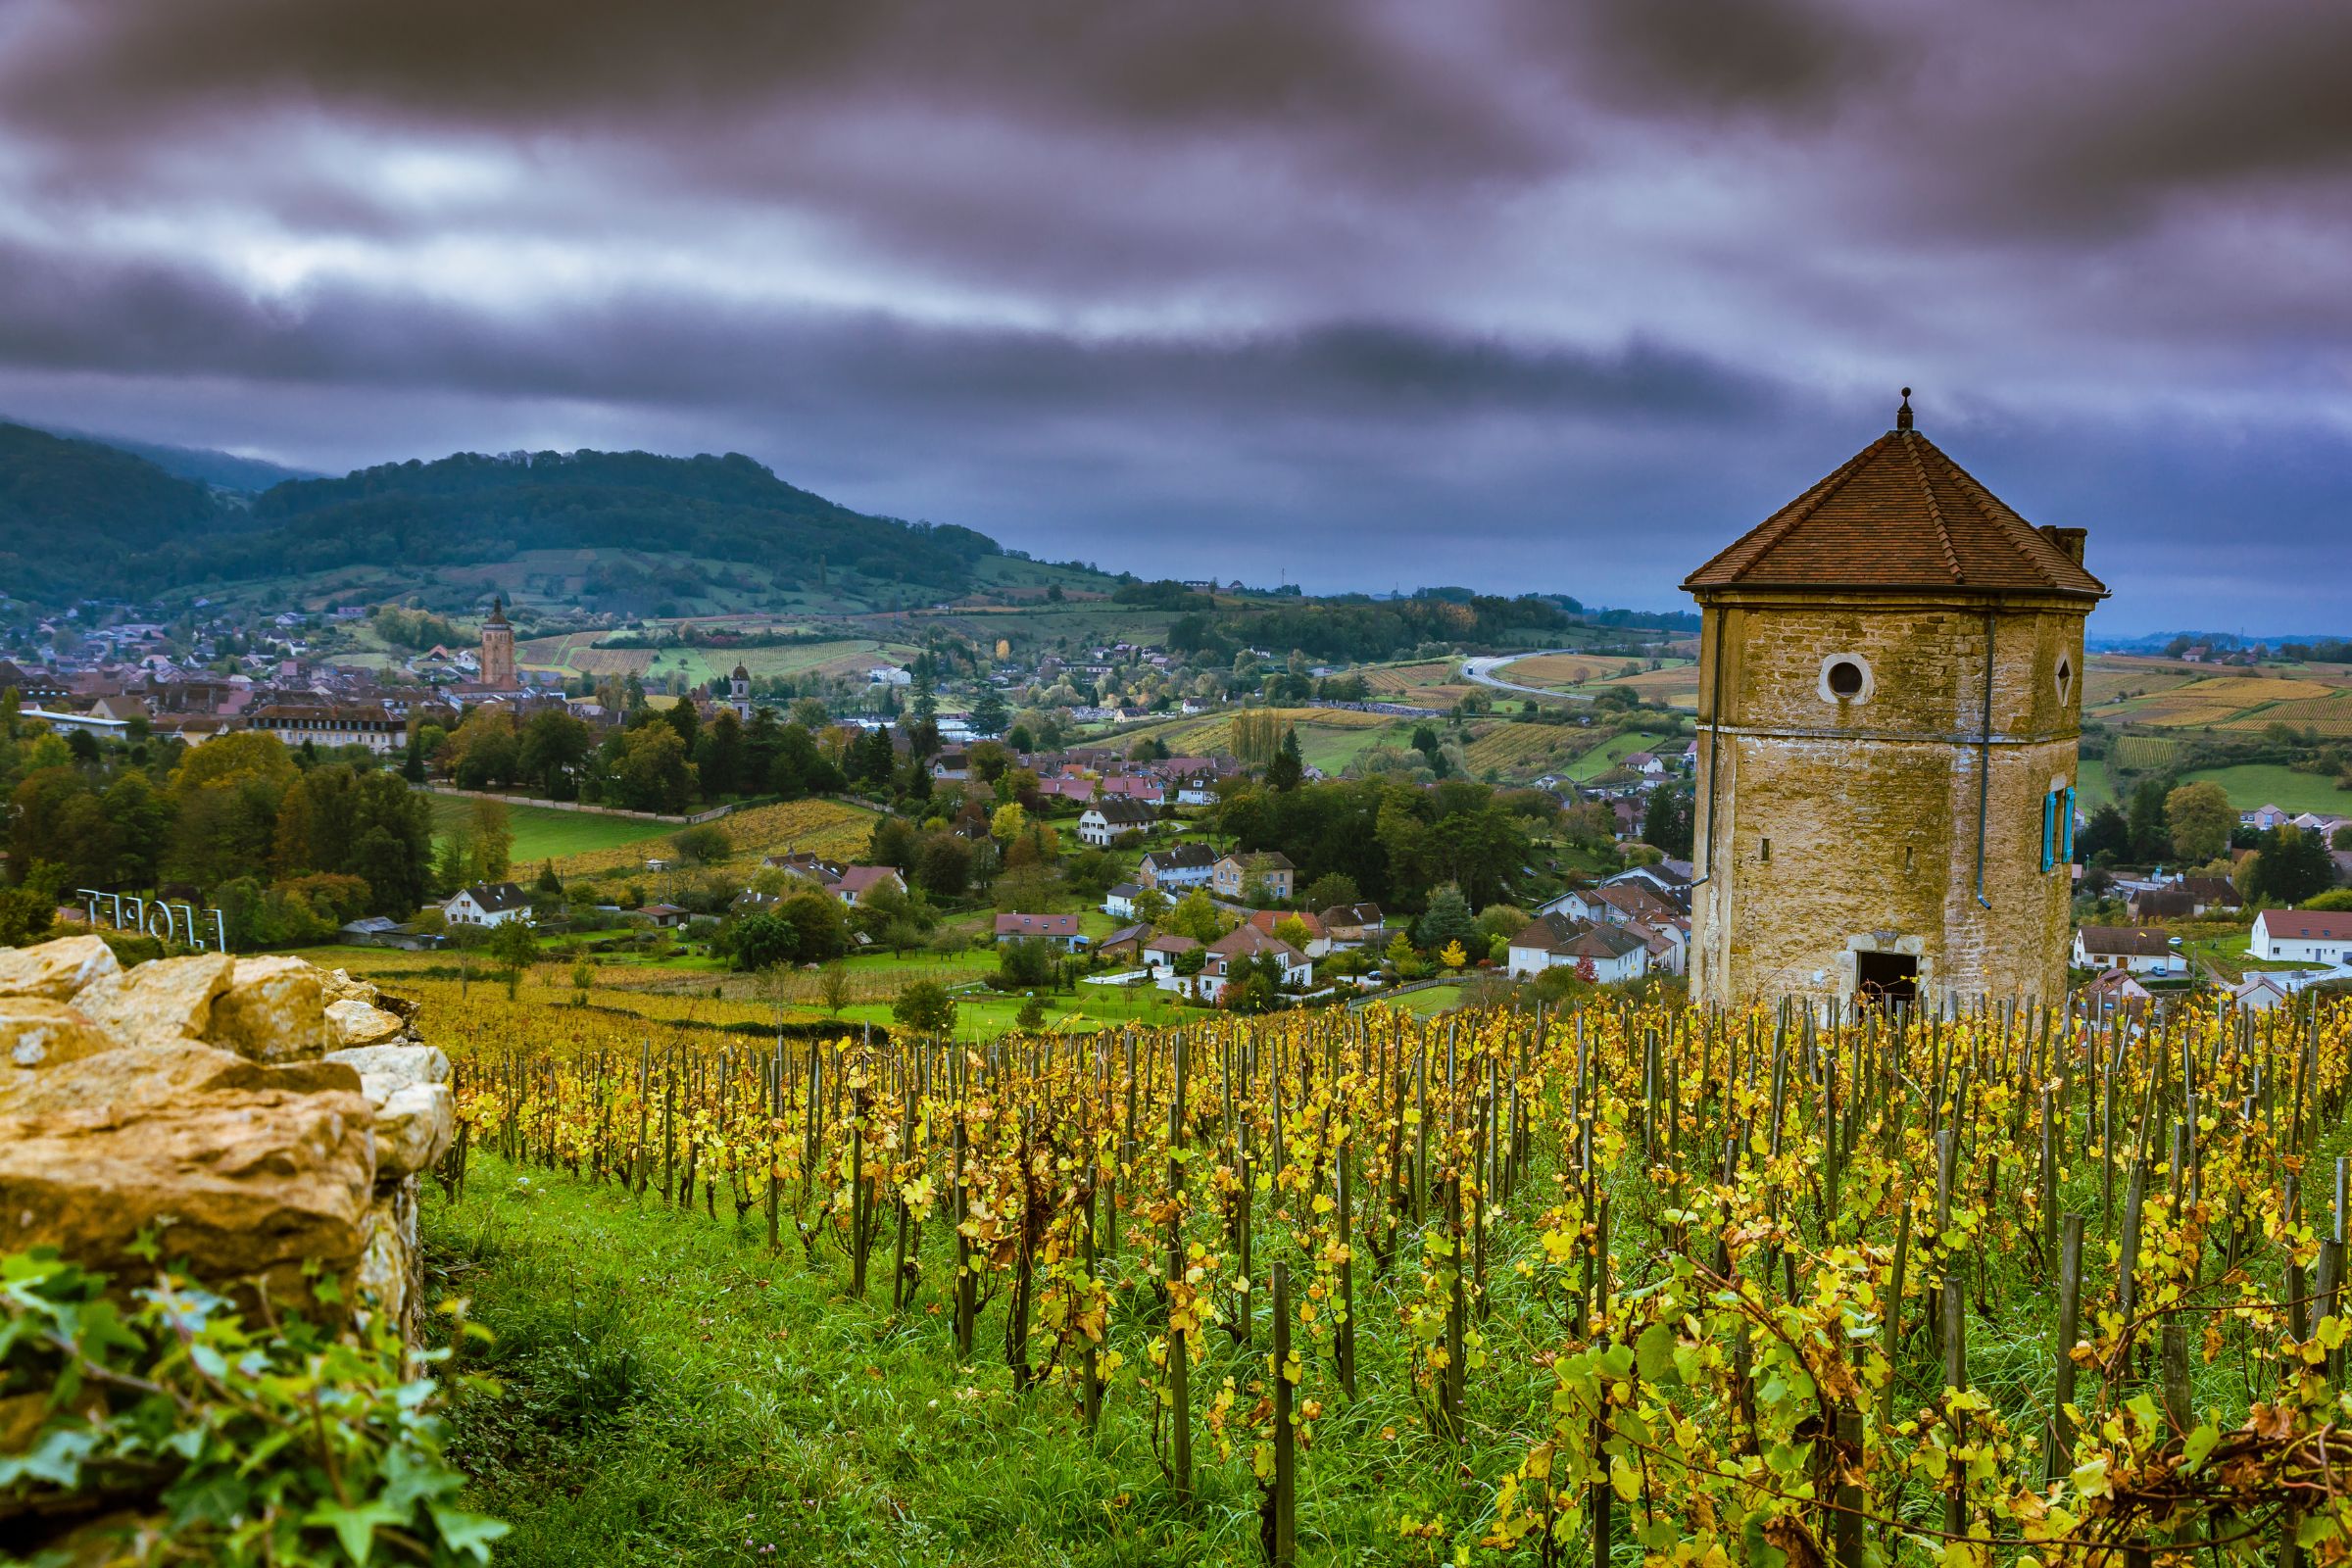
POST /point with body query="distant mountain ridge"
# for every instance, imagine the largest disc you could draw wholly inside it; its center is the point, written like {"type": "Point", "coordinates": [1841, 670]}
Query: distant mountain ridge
{"type": "Point", "coordinates": [137, 529]}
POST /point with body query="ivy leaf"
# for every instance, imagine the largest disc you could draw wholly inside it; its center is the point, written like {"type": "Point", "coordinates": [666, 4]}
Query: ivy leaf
{"type": "Point", "coordinates": [2196, 1445]}
{"type": "Point", "coordinates": [355, 1527]}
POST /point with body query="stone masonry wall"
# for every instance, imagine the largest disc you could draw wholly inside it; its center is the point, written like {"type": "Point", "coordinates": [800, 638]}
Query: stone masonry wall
{"type": "Point", "coordinates": [266, 1119]}
{"type": "Point", "coordinates": [1870, 804]}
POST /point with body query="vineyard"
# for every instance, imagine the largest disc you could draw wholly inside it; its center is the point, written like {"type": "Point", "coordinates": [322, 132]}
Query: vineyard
{"type": "Point", "coordinates": [2146, 754]}
{"type": "Point", "coordinates": [1519, 749]}
{"type": "Point", "coordinates": [2330, 716]}
{"type": "Point", "coordinates": [1606, 1285]}
{"type": "Point", "coordinates": [820, 828]}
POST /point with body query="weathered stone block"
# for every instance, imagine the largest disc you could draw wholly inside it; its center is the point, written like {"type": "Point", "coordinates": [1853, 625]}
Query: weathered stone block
{"type": "Point", "coordinates": [56, 970]}
{"type": "Point", "coordinates": [248, 1172]}
{"type": "Point", "coordinates": [274, 1010]}
{"type": "Point", "coordinates": [162, 1003]}
{"type": "Point", "coordinates": [36, 1032]}
{"type": "Point", "coordinates": [351, 1022]}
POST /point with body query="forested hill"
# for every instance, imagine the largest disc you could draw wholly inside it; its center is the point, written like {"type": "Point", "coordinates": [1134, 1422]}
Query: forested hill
{"type": "Point", "coordinates": [136, 530]}
{"type": "Point", "coordinates": [66, 506]}
{"type": "Point", "coordinates": [470, 508]}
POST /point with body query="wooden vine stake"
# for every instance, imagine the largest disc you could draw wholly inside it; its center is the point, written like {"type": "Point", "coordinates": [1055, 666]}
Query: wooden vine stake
{"type": "Point", "coordinates": [1282, 1531]}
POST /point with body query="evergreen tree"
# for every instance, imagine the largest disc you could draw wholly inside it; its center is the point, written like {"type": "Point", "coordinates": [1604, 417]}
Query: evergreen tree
{"type": "Point", "coordinates": [989, 715]}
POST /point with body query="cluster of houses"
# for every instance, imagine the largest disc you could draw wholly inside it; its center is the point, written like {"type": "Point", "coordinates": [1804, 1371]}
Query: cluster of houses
{"type": "Point", "coordinates": [1634, 923]}
{"type": "Point", "coordinates": [2318, 941]}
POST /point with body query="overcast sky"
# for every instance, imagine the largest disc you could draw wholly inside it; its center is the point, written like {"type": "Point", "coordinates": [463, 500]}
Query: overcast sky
{"type": "Point", "coordinates": [1513, 293]}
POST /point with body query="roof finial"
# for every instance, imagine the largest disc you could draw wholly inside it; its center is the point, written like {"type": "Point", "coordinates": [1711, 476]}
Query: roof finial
{"type": "Point", "coordinates": [1902, 416]}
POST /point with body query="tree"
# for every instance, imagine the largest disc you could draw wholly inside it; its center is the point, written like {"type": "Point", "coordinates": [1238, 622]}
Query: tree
{"type": "Point", "coordinates": [513, 949]}
{"type": "Point", "coordinates": [2105, 836]}
{"type": "Point", "coordinates": [493, 835]}
{"type": "Point", "coordinates": [1448, 920]}
{"type": "Point", "coordinates": [718, 755]}
{"type": "Point", "coordinates": [224, 799]}
{"type": "Point", "coordinates": [1285, 771]}
{"type": "Point", "coordinates": [833, 988]}
{"type": "Point", "coordinates": [703, 844]}
{"type": "Point", "coordinates": [989, 715]}
{"type": "Point", "coordinates": [553, 748]}
{"type": "Point", "coordinates": [1452, 957]}
{"type": "Point", "coordinates": [2199, 818]}
{"type": "Point", "coordinates": [943, 865]}
{"type": "Point", "coordinates": [821, 925]}
{"type": "Point", "coordinates": [583, 976]}
{"type": "Point", "coordinates": [762, 941]}
{"type": "Point", "coordinates": [652, 773]}
{"type": "Point", "coordinates": [1197, 916]}
{"type": "Point", "coordinates": [1294, 931]}
{"type": "Point", "coordinates": [2290, 866]}
{"type": "Point", "coordinates": [1032, 1016]}
{"type": "Point", "coordinates": [925, 1007]}
{"type": "Point", "coordinates": [1666, 821]}
{"type": "Point", "coordinates": [1023, 963]}
{"type": "Point", "coordinates": [549, 883]}
{"type": "Point", "coordinates": [1331, 889]}
{"type": "Point", "coordinates": [2150, 841]}
{"type": "Point", "coordinates": [1009, 823]}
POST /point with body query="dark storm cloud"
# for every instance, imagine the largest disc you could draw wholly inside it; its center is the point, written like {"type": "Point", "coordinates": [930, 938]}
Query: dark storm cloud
{"type": "Point", "coordinates": [1515, 292]}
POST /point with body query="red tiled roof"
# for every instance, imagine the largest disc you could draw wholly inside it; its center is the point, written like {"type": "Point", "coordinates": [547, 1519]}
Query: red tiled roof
{"type": "Point", "coordinates": [1902, 515]}
{"type": "Point", "coordinates": [2308, 925]}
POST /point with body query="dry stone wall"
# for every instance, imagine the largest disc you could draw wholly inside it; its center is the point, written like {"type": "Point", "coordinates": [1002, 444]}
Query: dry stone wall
{"type": "Point", "coordinates": [266, 1120]}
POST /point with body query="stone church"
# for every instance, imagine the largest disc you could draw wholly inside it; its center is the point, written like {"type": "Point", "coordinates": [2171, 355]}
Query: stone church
{"type": "Point", "coordinates": [1890, 691]}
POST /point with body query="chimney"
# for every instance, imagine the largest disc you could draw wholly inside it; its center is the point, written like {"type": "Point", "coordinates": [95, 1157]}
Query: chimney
{"type": "Point", "coordinates": [2068, 540]}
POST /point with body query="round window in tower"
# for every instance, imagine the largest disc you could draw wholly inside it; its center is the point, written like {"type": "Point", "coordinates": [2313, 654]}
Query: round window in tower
{"type": "Point", "coordinates": [1844, 678]}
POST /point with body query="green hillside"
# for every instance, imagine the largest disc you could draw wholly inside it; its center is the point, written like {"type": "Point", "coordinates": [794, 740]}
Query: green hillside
{"type": "Point", "coordinates": [727, 521]}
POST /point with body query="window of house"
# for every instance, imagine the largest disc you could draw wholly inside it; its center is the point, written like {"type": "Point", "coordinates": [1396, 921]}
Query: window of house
{"type": "Point", "coordinates": [2066, 678]}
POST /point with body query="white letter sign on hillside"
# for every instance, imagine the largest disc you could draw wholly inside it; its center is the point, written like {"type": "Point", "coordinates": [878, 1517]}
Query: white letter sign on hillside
{"type": "Point", "coordinates": [156, 919]}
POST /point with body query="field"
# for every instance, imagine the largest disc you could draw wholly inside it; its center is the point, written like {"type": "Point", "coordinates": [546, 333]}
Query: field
{"type": "Point", "coordinates": [1523, 751]}
{"type": "Point", "coordinates": [542, 833]}
{"type": "Point", "coordinates": [575, 654]}
{"type": "Point", "coordinates": [2330, 716]}
{"type": "Point", "coordinates": [925, 1312]}
{"type": "Point", "coordinates": [2146, 754]}
{"type": "Point", "coordinates": [2250, 785]}
{"type": "Point", "coordinates": [827, 828]}
{"type": "Point", "coordinates": [1609, 754]}
{"type": "Point", "coordinates": [1675, 684]}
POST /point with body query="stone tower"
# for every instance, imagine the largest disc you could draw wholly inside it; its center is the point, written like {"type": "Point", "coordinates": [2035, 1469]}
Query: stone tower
{"type": "Point", "coordinates": [739, 693]}
{"type": "Point", "coordinates": [1891, 681]}
{"type": "Point", "coordinates": [498, 647]}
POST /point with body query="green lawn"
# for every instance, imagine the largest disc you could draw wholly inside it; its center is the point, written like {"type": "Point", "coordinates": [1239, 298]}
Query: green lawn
{"type": "Point", "coordinates": [2093, 786]}
{"type": "Point", "coordinates": [2253, 784]}
{"type": "Point", "coordinates": [545, 834]}
{"type": "Point", "coordinates": [670, 1391]}
{"type": "Point", "coordinates": [1436, 998]}
{"type": "Point", "coordinates": [1609, 754]}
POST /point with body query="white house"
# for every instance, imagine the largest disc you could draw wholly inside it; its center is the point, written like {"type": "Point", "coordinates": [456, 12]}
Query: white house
{"type": "Point", "coordinates": [1172, 870]}
{"type": "Point", "coordinates": [1228, 952]}
{"type": "Point", "coordinates": [2258, 993]}
{"type": "Point", "coordinates": [1062, 930]}
{"type": "Point", "coordinates": [1159, 956]}
{"type": "Point", "coordinates": [1119, 902]}
{"type": "Point", "coordinates": [2139, 949]}
{"type": "Point", "coordinates": [1104, 820]}
{"type": "Point", "coordinates": [1552, 942]}
{"type": "Point", "coordinates": [489, 903]}
{"type": "Point", "coordinates": [858, 883]}
{"type": "Point", "coordinates": [2303, 936]}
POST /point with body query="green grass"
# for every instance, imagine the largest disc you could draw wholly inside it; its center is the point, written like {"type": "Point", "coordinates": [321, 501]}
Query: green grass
{"type": "Point", "coordinates": [2253, 784]}
{"type": "Point", "coordinates": [1609, 754]}
{"type": "Point", "coordinates": [544, 834]}
{"type": "Point", "coordinates": [2094, 786]}
{"type": "Point", "coordinates": [1436, 998]}
{"type": "Point", "coordinates": [671, 1392]}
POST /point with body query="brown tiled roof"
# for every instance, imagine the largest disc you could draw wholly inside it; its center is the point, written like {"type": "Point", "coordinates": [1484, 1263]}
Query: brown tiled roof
{"type": "Point", "coordinates": [1901, 516]}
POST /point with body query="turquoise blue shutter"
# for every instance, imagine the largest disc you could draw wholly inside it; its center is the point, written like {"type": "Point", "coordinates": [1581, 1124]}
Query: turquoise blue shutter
{"type": "Point", "coordinates": [2049, 822]}
{"type": "Point", "coordinates": [2069, 857]}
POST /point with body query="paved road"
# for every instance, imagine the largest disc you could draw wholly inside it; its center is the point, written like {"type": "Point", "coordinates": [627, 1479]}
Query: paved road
{"type": "Point", "coordinates": [1480, 671]}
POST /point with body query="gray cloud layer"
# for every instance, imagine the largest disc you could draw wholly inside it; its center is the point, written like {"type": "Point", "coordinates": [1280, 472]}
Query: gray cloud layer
{"type": "Point", "coordinates": [1509, 292]}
